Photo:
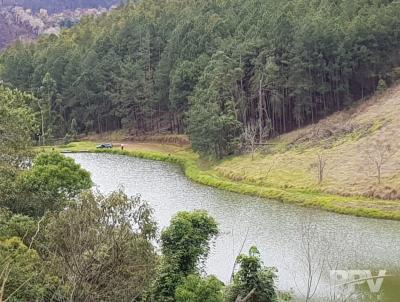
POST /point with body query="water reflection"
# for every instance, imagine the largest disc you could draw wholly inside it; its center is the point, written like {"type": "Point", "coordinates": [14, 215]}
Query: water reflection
{"type": "Point", "coordinates": [278, 230]}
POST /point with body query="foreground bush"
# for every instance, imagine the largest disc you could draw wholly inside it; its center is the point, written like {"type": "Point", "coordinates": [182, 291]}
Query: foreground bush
{"type": "Point", "coordinates": [197, 289]}
{"type": "Point", "coordinates": [185, 244]}
{"type": "Point", "coordinates": [253, 280]}
{"type": "Point", "coordinates": [23, 273]}
{"type": "Point", "coordinates": [47, 186]}
{"type": "Point", "coordinates": [101, 246]}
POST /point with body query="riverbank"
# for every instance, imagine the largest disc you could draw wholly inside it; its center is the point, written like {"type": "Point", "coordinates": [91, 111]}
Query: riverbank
{"type": "Point", "coordinates": [208, 173]}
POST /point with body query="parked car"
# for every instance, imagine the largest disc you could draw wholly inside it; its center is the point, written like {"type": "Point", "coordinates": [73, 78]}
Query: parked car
{"type": "Point", "coordinates": [104, 146]}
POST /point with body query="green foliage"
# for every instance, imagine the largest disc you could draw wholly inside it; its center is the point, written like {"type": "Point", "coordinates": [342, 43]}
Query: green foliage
{"type": "Point", "coordinates": [67, 139]}
{"type": "Point", "coordinates": [382, 86]}
{"type": "Point", "coordinates": [17, 127]}
{"type": "Point", "coordinates": [54, 172]}
{"type": "Point", "coordinates": [48, 106]}
{"type": "Point", "coordinates": [395, 75]}
{"type": "Point", "coordinates": [17, 226]}
{"type": "Point", "coordinates": [22, 273]}
{"type": "Point", "coordinates": [186, 241]}
{"type": "Point", "coordinates": [185, 244]}
{"type": "Point", "coordinates": [212, 122]}
{"type": "Point", "coordinates": [197, 289]}
{"type": "Point", "coordinates": [183, 81]}
{"type": "Point", "coordinates": [252, 275]}
{"type": "Point", "coordinates": [109, 238]}
{"type": "Point", "coordinates": [51, 181]}
{"type": "Point", "coordinates": [180, 65]}
{"type": "Point", "coordinates": [285, 297]}
{"type": "Point", "coordinates": [102, 248]}
{"type": "Point", "coordinates": [47, 186]}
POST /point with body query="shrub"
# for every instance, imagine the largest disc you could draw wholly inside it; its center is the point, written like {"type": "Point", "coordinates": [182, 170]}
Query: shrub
{"type": "Point", "coordinates": [253, 279]}
{"type": "Point", "coordinates": [23, 273]}
{"type": "Point", "coordinates": [185, 243]}
{"type": "Point", "coordinates": [382, 86]}
{"type": "Point", "coordinates": [197, 289]}
{"type": "Point", "coordinates": [102, 248]}
{"type": "Point", "coordinates": [52, 180]}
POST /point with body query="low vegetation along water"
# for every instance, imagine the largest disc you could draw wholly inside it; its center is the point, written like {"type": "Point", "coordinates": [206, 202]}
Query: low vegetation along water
{"type": "Point", "coordinates": [280, 231]}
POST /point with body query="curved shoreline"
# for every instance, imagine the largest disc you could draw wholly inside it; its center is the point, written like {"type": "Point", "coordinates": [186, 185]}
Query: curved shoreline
{"type": "Point", "coordinates": [187, 160]}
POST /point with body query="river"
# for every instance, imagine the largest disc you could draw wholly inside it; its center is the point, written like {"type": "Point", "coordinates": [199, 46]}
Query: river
{"type": "Point", "coordinates": [280, 231]}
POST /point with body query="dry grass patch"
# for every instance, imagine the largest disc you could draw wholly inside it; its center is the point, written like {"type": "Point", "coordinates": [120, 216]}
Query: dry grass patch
{"type": "Point", "coordinates": [342, 140]}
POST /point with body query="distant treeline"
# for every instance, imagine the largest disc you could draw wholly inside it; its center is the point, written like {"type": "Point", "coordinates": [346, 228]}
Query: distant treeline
{"type": "Point", "coordinates": [210, 68]}
{"type": "Point", "coordinates": [59, 5]}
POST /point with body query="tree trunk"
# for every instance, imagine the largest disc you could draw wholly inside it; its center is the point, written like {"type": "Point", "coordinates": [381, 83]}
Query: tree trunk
{"type": "Point", "coordinates": [260, 111]}
{"type": "Point", "coordinates": [41, 138]}
{"type": "Point", "coordinates": [247, 298]}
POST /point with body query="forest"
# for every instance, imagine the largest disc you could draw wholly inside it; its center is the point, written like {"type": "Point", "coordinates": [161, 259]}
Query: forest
{"type": "Point", "coordinates": [211, 69]}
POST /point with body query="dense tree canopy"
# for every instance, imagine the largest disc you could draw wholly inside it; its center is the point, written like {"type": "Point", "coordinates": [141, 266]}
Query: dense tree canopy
{"type": "Point", "coordinates": [18, 125]}
{"type": "Point", "coordinates": [209, 67]}
{"type": "Point", "coordinates": [57, 173]}
{"type": "Point", "coordinates": [46, 186]}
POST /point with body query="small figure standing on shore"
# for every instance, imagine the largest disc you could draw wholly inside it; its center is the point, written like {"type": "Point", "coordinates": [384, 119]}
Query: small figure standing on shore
{"type": "Point", "coordinates": [122, 146]}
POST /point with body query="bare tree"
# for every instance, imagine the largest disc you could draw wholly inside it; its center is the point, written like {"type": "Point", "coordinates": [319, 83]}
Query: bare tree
{"type": "Point", "coordinates": [251, 136]}
{"type": "Point", "coordinates": [313, 263]}
{"type": "Point", "coordinates": [250, 139]}
{"type": "Point", "coordinates": [260, 106]}
{"type": "Point", "coordinates": [240, 252]}
{"type": "Point", "coordinates": [317, 257]}
{"type": "Point", "coordinates": [268, 171]}
{"type": "Point", "coordinates": [319, 165]}
{"type": "Point", "coordinates": [42, 135]}
{"type": "Point", "coordinates": [378, 154]}
{"type": "Point", "coordinates": [314, 256]}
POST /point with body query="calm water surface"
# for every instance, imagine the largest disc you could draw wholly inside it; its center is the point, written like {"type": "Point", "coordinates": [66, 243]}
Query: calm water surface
{"type": "Point", "coordinates": [276, 229]}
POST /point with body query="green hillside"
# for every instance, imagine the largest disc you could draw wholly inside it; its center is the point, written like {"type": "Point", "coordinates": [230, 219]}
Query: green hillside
{"type": "Point", "coordinates": [209, 68]}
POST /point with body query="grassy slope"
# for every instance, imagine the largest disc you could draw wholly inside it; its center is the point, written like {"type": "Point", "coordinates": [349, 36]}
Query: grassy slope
{"type": "Point", "coordinates": [343, 139]}
{"type": "Point", "coordinates": [282, 171]}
